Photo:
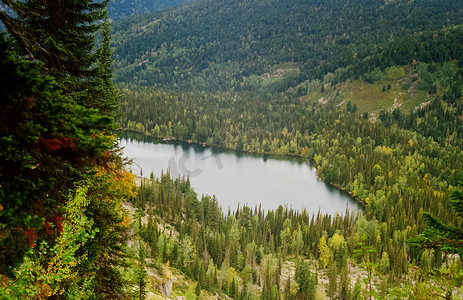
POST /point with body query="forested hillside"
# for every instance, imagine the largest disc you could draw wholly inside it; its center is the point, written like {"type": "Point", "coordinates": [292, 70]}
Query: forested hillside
{"type": "Point", "coordinates": [219, 45]}
{"type": "Point", "coordinates": [125, 8]}
{"type": "Point", "coordinates": [282, 254]}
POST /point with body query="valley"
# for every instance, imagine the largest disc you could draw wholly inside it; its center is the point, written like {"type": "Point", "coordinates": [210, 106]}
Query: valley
{"type": "Point", "coordinates": [207, 149]}
{"type": "Point", "coordinates": [356, 105]}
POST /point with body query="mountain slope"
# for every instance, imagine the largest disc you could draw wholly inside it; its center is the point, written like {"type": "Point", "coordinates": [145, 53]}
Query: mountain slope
{"type": "Point", "coordinates": [125, 8]}
{"type": "Point", "coordinates": [213, 45]}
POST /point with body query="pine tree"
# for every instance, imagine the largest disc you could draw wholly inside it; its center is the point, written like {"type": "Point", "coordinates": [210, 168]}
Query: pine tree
{"type": "Point", "coordinates": [306, 280]}
{"type": "Point", "coordinates": [141, 274]}
{"type": "Point", "coordinates": [439, 236]}
{"type": "Point", "coordinates": [104, 89]}
{"type": "Point", "coordinates": [60, 34]}
{"type": "Point", "coordinates": [333, 280]}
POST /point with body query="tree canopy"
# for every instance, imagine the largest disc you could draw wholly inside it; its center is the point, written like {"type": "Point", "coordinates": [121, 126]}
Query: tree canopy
{"type": "Point", "coordinates": [61, 178]}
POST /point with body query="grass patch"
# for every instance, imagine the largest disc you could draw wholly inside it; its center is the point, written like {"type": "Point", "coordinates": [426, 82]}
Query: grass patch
{"type": "Point", "coordinates": [375, 97]}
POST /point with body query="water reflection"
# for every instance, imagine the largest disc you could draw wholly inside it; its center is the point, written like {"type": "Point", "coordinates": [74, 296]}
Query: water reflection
{"type": "Point", "coordinates": [239, 178]}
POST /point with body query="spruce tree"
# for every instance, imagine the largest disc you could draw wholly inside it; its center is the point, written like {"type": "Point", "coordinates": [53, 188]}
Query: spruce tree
{"type": "Point", "coordinates": [141, 274]}
{"type": "Point", "coordinates": [52, 136]}
{"type": "Point", "coordinates": [439, 236]}
{"type": "Point", "coordinates": [104, 89]}
{"type": "Point", "coordinates": [345, 291]}
{"type": "Point", "coordinates": [306, 281]}
{"type": "Point", "coordinates": [46, 145]}
{"type": "Point", "coordinates": [61, 36]}
{"type": "Point", "coordinates": [333, 280]}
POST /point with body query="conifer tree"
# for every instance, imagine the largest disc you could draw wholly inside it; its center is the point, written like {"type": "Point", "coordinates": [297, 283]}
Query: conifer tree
{"type": "Point", "coordinates": [60, 35]}
{"type": "Point", "coordinates": [66, 140]}
{"type": "Point", "coordinates": [46, 144]}
{"type": "Point", "coordinates": [306, 281]}
{"type": "Point", "coordinates": [443, 237]}
{"type": "Point", "coordinates": [104, 89]}
{"type": "Point", "coordinates": [141, 274]}
{"type": "Point", "coordinates": [345, 291]}
{"type": "Point", "coordinates": [333, 280]}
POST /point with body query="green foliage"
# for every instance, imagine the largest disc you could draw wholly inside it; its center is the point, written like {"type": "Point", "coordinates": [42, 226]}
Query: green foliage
{"type": "Point", "coordinates": [357, 293]}
{"type": "Point", "coordinates": [141, 274]}
{"type": "Point", "coordinates": [235, 242]}
{"type": "Point", "coordinates": [393, 74]}
{"type": "Point", "coordinates": [333, 280]}
{"type": "Point", "coordinates": [365, 252]}
{"type": "Point", "coordinates": [394, 171]}
{"type": "Point", "coordinates": [345, 291]}
{"type": "Point", "coordinates": [439, 236]}
{"type": "Point", "coordinates": [307, 282]}
{"type": "Point", "coordinates": [122, 9]}
{"type": "Point", "coordinates": [55, 131]}
{"type": "Point", "coordinates": [325, 252]}
{"type": "Point", "coordinates": [384, 263]}
{"type": "Point", "coordinates": [51, 137]}
{"type": "Point", "coordinates": [61, 37]}
{"type": "Point", "coordinates": [224, 46]}
{"type": "Point", "coordinates": [46, 269]}
{"type": "Point", "coordinates": [44, 136]}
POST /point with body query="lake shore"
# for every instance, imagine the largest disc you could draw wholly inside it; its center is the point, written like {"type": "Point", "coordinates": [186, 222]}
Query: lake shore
{"type": "Point", "coordinates": [272, 155]}
{"type": "Point", "coordinates": [230, 174]}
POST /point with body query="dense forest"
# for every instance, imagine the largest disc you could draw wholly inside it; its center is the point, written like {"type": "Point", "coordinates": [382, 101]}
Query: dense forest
{"type": "Point", "coordinates": [118, 9]}
{"type": "Point", "coordinates": [397, 173]}
{"type": "Point", "coordinates": [282, 78]}
{"type": "Point", "coordinates": [369, 92]}
{"type": "Point", "coordinates": [223, 45]}
{"type": "Point", "coordinates": [252, 254]}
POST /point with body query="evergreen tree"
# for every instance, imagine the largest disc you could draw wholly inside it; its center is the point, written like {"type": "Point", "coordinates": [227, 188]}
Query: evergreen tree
{"type": "Point", "coordinates": [47, 145]}
{"type": "Point", "coordinates": [60, 35]}
{"type": "Point", "coordinates": [439, 236]}
{"type": "Point", "coordinates": [141, 274]}
{"type": "Point", "coordinates": [306, 281]}
{"type": "Point", "coordinates": [345, 291]}
{"type": "Point", "coordinates": [332, 280]}
{"type": "Point", "coordinates": [357, 293]}
{"type": "Point", "coordinates": [198, 289]}
{"type": "Point", "coordinates": [287, 292]}
{"type": "Point", "coordinates": [104, 89]}
{"type": "Point", "coordinates": [66, 140]}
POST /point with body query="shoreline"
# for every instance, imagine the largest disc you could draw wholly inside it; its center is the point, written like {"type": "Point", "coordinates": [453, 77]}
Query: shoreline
{"type": "Point", "coordinates": [278, 155]}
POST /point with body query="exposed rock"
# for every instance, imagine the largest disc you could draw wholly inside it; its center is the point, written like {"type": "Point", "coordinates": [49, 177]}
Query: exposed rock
{"type": "Point", "coordinates": [166, 288]}
{"type": "Point", "coordinates": [322, 100]}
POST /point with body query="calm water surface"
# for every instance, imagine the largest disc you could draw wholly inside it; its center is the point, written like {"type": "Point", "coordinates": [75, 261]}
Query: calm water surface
{"type": "Point", "coordinates": [239, 178]}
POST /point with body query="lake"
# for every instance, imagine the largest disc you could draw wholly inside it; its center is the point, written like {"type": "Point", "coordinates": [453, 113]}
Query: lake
{"type": "Point", "coordinates": [239, 177]}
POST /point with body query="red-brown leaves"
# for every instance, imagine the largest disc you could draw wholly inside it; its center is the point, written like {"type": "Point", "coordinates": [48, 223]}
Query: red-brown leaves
{"type": "Point", "coordinates": [57, 221]}
{"type": "Point", "coordinates": [52, 145]}
{"type": "Point", "coordinates": [31, 235]}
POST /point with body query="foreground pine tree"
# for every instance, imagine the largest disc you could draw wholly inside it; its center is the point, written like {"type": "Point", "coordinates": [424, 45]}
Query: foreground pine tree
{"type": "Point", "coordinates": [60, 35]}
{"type": "Point", "coordinates": [56, 123]}
{"type": "Point", "coordinates": [440, 236]}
